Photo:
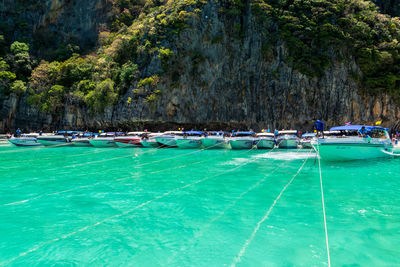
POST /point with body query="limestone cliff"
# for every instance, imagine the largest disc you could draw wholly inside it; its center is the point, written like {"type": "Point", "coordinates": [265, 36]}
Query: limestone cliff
{"type": "Point", "coordinates": [217, 79]}
{"type": "Point", "coordinates": [46, 24]}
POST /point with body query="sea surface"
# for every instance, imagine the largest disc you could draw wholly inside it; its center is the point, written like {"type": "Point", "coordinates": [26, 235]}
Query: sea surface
{"type": "Point", "coordinates": [70, 206]}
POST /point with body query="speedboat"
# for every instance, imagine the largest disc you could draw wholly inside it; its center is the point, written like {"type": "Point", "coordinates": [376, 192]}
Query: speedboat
{"type": "Point", "coordinates": [103, 140]}
{"type": "Point", "coordinates": [306, 140]}
{"type": "Point", "coordinates": [265, 140]}
{"type": "Point", "coordinates": [190, 139]}
{"type": "Point", "coordinates": [54, 140]}
{"type": "Point", "coordinates": [287, 139]}
{"type": "Point", "coordinates": [25, 140]}
{"type": "Point", "coordinates": [242, 140]}
{"type": "Point", "coordinates": [349, 145]}
{"type": "Point", "coordinates": [149, 140]}
{"type": "Point", "coordinates": [131, 139]}
{"type": "Point", "coordinates": [214, 140]}
{"type": "Point", "coordinates": [167, 139]}
{"type": "Point", "coordinates": [81, 139]}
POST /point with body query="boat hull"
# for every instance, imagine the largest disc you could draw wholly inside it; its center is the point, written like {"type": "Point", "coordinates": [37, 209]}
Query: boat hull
{"type": "Point", "coordinates": [348, 152]}
{"type": "Point", "coordinates": [53, 142]}
{"type": "Point", "coordinates": [306, 145]}
{"type": "Point", "coordinates": [128, 142]}
{"type": "Point", "coordinates": [149, 143]}
{"type": "Point", "coordinates": [188, 143]}
{"type": "Point", "coordinates": [24, 141]}
{"type": "Point", "coordinates": [214, 142]}
{"type": "Point", "coordinates": [265, 143]}
{"type": "Point", "coordinates": [97, 142]}
{"type": "Point", "coordinates": [166, 142]}
{"type": "Point", "coordinates": [288, 143]}
{"type": "Point", "coordinates": [241, 144]}
{"type": "Point", "coordinates": [81, 142]}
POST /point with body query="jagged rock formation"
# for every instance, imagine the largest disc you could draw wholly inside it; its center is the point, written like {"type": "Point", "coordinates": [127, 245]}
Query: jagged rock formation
{"type": "Point", "coordinates": [49, 23]}
{"type": "Point", "coordinates": [391, 7]}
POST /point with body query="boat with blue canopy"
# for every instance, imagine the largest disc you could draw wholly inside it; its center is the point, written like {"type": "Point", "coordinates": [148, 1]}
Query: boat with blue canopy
{"type": "Point", "coordinates": [189, 139]}
{"type": "Point", "coordinates": [81, 138]}
{"type": "Point", "coordinates": [214, 139]}
{"type": "Point", "coordinates": [104, 140]}
{"type": "Point", "coordinates": [354, 142]}
{"type": "Point", "coordinates": [167, 139]}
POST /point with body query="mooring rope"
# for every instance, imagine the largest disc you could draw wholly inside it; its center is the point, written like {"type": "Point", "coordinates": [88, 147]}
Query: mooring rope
{"type": "Point", "coordinates": [253, 234]}
{"type": "Point", "coordinates": [233, 203]}
{"type": "Point", "coordinates": [22, 254]}
{"type": "Point", "coordinates": [323, 209]}
{"type": "Point", "coordinates": [120, 179]}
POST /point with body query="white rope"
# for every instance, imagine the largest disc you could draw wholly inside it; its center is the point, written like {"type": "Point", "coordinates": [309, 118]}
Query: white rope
{"type": "Point", "coordinates": [253, 234]}
{"type": "Point", "coordinates": [231, 205]}
{"type": "Point", "coordinates": [22, 254]}
{"type": "Point", "coordinates": [91, 185]}
{"type": "Point", "coordinates": [323, 209]}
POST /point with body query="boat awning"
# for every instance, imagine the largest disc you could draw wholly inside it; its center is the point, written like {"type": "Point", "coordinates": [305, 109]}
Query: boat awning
{"type": "Point", "coordinates": [287, 132]}
{"type": "Point", "coordinates": [266, 134]}
{"type": "Point", "coordinates": [356, 128]}
{"type": "Point", "coordinates": [193, 132]}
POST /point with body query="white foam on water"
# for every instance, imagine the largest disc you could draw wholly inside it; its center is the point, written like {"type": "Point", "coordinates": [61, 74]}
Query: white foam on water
{"type": "Point", "coordinates": [286, 155]}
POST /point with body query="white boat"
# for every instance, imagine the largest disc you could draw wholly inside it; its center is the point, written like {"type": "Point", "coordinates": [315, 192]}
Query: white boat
{"type": "Point", "coordinates": [167, 139]}
{"type": "Point", "coordinates": [149, 140]}
{"type": "Point", "coordinates": [306, 138]}
{"type": "Point", "coordinates": [131, 139]}
{"type": "Point", "coordinates": [103, 140]}
{"type": "Point", "coordinates": [25, 140]}
{"type": "Point", "coordinates": [214, 140]}
{"type": "Point", "coordinates": [242, 140]}
{"type": "Point", "coordinates": [348, 145]}
{"type": "Point", "coordinates": [265, 140]}
{"type": "Point", "coordinates": [287, 139]}
{"type": "Point", "coordinates": [53, 140]}
{"type": "Point", "coordinates": [190, 139]}
{"type": "Point", "coordinates": [81, 141]}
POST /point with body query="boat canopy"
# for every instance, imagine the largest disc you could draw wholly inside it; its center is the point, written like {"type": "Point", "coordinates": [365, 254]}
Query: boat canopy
{"type": "Point", "coordinates": [173, 132]}
{"type": "Point", "coordinates": [136, 133]}
{"type": "Point", "coordinates": [193, 132]}
{"type": "Point", "coordinates": [287, 132]}
{"type": "Point", "coordinates": [266, 134]}
{"type": "Point", "coordinates": [309, 135]}
{"type": "Point", "coordinates": [243, 133]}
{"type": "Point", "coordinates": [356, 128]}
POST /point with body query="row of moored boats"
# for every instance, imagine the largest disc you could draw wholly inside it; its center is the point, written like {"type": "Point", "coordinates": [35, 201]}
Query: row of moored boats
{"type": "Point", "coordinates": [180, 139]}
{"type": "Point", "coordinates": [340, 143]}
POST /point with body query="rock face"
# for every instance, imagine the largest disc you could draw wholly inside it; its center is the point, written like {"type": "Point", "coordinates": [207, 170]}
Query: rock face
{"type": "Point", "coordinates": [54, 21]}
{"type": "Point", "coordinates": [219, 80]}
{"type": "Point", "coordinates": [391, 7]}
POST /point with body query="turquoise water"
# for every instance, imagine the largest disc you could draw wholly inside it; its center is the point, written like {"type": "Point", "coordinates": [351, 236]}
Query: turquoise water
{"type": "Point", "coordinates": [172, 207]}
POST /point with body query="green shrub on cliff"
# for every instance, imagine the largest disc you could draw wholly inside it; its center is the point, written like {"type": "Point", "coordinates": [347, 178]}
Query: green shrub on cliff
{"type": "Point", "coordinates": [317, 32]}
{"type": "Point", "coordinates": [18, 87]}
{"type": "Point", "coordinates": [102, 96]}
{"type": "Point", "coordinates": [6, 76]}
